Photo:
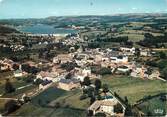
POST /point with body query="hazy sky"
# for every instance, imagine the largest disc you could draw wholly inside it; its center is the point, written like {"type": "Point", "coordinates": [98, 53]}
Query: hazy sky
{"type": "Point", "coordinates": [45, 8]}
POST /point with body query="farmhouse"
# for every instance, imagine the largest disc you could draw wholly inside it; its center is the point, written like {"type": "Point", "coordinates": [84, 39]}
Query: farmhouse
{"type": "Point", "coordinates": [68, 84]}
{"type": "Point", "coordinates": [105, 106]}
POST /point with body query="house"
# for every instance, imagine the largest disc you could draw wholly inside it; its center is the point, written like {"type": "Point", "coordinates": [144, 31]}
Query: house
{"type": "Point", "coordinates": [145, 52]}
{"type": "Point", "coordinates": [128, 51]}
{"type": "Point", "coordinates": [119, 59]}
{"type": "Point", "coordinates": [139, 71]}
{"type": "Point", "coordinates": [45, 84]}
{"type": "Point", "coordinates": [19, 73]}
{"type": "Point", "coordinates": [6, 64]}
{"type": "Point", "coordinates": [79, 77]}
{"type": "Point", "coordinates": [154, 75]}
{"type": "Point", "coordinates": [63, 58]}
{"type": "Point", "coordinates": [3, 67]}
{"type": "Point", "coordinates": [68, 84]}
{"type": "Point", "coordinates": [98, 58]}
{"type": "Point", "coordinates": [57, 70]}
{"type": "Point", "coordinates": [105, 106]}
{"type": "Point", "coordinates": [80, 73]}
{"type": "Point", "coordinates": [51, 76]}
{"type": "Point", "coordinates": [123, 69]}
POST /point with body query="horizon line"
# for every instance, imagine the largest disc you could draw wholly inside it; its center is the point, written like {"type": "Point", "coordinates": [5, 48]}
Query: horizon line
{"type": "Point", "coordinates": [116, 14]}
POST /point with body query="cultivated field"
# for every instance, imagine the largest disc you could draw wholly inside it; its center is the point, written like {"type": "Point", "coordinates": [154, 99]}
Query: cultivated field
{"type": "Point", "coordinates": [134, 88]}
{"type": "Point", "coordinates": [70, 104]}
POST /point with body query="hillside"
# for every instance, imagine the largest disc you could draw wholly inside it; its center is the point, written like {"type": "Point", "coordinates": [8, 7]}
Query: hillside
{"type": "Point", "coordinates": [6, 30]}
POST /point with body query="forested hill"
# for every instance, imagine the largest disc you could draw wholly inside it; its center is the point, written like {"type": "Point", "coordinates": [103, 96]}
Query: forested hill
{"type": "Point", "coordinates": [6, 30]}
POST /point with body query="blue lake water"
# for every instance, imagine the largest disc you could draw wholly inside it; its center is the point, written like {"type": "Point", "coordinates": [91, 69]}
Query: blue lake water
{"type": "Point", "coordinates": [46, 29]}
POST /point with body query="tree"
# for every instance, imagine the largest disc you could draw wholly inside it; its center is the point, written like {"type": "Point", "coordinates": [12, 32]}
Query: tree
{"type": "Point", "coordinates": [126, 100]}
{"type": "Point", "coordinates": [11, 106]}
{"type": "Point", "coordinates": [90, 113]}
{"type": "Point", "coordinates": [92, 100]}
{"type": "Point", "coordinates": [69, 66]}
{"type": "Point", "coordinates": [27, 99]}
{"type": "Point", "coordinates": [38, 81]}
{"type": "Point", "coordinates": [100, 114]}
{"type": "Point", "coordinates": [164, 73]}
{"type": "Point", "coordinates": [9, 87]}
{"type": "Point", "coordinates": [105, 88]}
{"type": "Point", "coordinates": [162, 64]}
{"type": "Point", "coordinates": [162, 55]}
{"type": "Point", "coordinates": [97, 84]}
{"type": "Point", "coordinates": [118, 108]}
{"type": "Point", "coordinates": [128, 111]}
{"type": "Point", "coordinates": [87, 81]}
{"type": "Point", "coordinates": [104, 71]}
{"type": "Point", "coordinates": [68, 76]}
{"type": "Point", "coordinates": [137, 52]}
{"type": "Point", "coordinates": [15, 66]}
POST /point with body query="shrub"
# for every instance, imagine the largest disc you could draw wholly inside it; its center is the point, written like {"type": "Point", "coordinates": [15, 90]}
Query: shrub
{"type": "Point", "coordinates": [82, 97]}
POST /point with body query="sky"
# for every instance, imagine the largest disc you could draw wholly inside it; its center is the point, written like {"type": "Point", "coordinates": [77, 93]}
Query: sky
{"type": "Point", "coordinates": [46, 8]}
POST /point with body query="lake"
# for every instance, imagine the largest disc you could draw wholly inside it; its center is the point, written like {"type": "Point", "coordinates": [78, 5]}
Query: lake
{"type": "Point", "coordinates": [46, 29]}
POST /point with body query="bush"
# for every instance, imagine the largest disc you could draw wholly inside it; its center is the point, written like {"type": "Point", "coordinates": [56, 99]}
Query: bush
{"type": "Point", "coordinates": [38, 81]}
{"type": "Point", "coordinates": [57, 105]}
{"type": "Point", "coordinates": [164, 73]}
{"type": "Point", "coordinates": [104, 71]}
{"type": "Point", "coordinates": [100, 114]}
{"type": "Point", "coordinates": [162, 64]}
{"type": "Point", "coordinates": [162, 55]}
{"type": "Point", "coordinates": [87, 81]}
{"type": "Point", "coordinates": [105, 88]}
{"type": "Point", "coordinates": [118, 108]}
{"type": "Point", "coordinates": [11, 106]}
{"type": "Point", "coordinates": [99, 97]}
{"type": "Point", "coordinates": [82, 97]}
{"type": "Point", "coordinates": [9, 87]}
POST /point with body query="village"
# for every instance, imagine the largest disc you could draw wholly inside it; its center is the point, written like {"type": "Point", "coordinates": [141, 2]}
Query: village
{"type": "Point", "coordinates": [77, 68]}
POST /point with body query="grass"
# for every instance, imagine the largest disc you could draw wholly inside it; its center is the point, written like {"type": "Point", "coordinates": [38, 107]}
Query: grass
{"type": "Point", "coordinates": [134, 88]}
{"type": "Point", "coordinates": [75, 107]}
{"type": "Point", "coordinates": [154, 105]}
{"type": "Point", "coordinates": [49, 95]}
{"type": "Point", "coordinates": [2, 104]}
{"type": "Point", "coordinates": [15, 82]}
{"type": "Point", "coordinates": [31, 110]}
{"type": "Point", "coordinates": [133, 37]}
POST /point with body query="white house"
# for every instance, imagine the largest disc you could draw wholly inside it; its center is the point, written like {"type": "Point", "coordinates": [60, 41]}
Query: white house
{"type": "Point", "coordinates": [119, 59]}
{"type": "Point", "coordinates": [123, 68]}
{"type": "Point", "coordinates": [18, 73]}
{"type": "Point", "coordinates": [104, 106]}
{"type": "Point", "coordinates": [128, 51]}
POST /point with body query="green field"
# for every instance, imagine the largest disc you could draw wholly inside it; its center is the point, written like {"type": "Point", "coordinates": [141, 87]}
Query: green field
{"type": "Point", "coordinates": [134, 88]}
{"type": "Point", "coordinates": [70, 105]}
{"type": "Point", "coordinates": [155, 106]}
{"type": "Point", "coordinates": [133, 37]}
{"type": "Point", "coordinates": [16, 84]}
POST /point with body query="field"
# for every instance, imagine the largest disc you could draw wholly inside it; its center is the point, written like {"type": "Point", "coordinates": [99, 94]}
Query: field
{"type": "Point", "coordinates": [133, 37]}
{"type": "Point", "coordinates": [134, 88]}
{"type": "Point", "coordinates": [15, 82]}
{"type": "Point", "coordinates": [70, 105]}
{"type": "Point", "coordinates": [154, 106]}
